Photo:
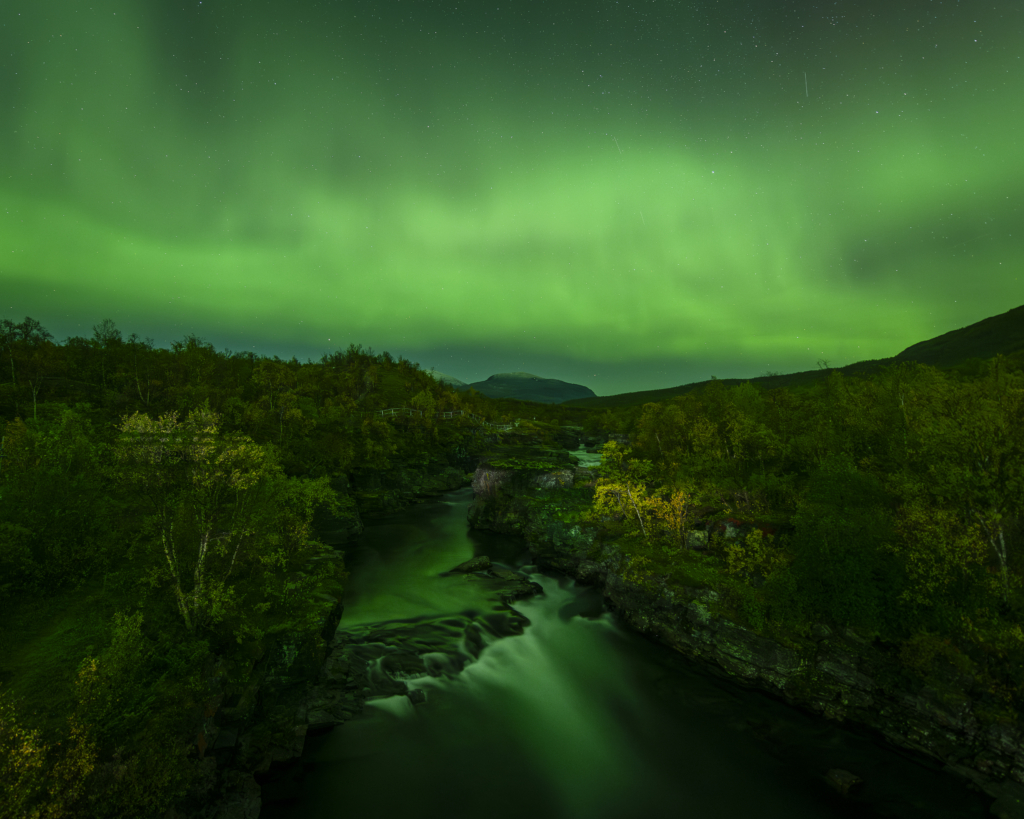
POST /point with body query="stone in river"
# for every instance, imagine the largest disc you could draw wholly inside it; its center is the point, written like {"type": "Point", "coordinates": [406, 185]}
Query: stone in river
{"type": "Point", "coordinates": [844, 781]}
{"type": "Point", "coordinates": [477, 564]}
{"type": "Point", "coordinates": [517, 591]}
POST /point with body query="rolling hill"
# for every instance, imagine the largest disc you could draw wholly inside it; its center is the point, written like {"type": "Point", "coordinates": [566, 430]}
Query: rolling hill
{"type": "Point", "coordinates": [528, 387]}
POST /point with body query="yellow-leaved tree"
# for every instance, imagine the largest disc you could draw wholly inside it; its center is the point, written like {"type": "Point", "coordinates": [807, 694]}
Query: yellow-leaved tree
{"type": "Point", "coordinates": [40, 780]}
{"type": "Point", "coordinates": [625, 497]}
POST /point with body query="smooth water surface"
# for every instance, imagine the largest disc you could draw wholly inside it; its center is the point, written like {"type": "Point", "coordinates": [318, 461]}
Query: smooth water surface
{"type": "Point", "coordinates": [577, 717]}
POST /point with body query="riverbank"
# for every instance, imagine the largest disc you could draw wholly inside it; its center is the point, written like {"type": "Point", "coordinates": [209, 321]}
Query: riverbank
{"type": "Point", "coordinates": [841, 677]}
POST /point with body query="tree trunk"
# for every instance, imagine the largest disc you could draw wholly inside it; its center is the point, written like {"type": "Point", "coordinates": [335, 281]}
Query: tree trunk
{"type": "Point", "coordinates": [997, 541]}
{"type": "Point", "coordinates": [14, 381]}
{"type": "Point", "coordinates": [635, 509]}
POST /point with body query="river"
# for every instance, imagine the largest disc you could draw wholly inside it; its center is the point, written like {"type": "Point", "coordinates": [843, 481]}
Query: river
{"type": "Point", "coordinates": [575, 718]}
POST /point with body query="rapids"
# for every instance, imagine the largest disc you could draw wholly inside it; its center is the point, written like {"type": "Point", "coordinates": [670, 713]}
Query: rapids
{"type": "Point", "coordinates": [575, 718]}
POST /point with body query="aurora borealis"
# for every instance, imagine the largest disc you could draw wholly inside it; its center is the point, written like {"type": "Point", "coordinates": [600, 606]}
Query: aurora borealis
{"type": "Point", "coordinates": [626, 195]}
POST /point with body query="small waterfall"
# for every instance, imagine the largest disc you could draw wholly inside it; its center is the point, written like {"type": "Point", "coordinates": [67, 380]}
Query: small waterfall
{"type": "Point", "coordinates": [554, 694]}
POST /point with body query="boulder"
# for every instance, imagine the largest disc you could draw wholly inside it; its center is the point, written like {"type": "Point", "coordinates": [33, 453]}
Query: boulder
{"type": "Point", "coordinates": [843, 668]}
{"type": "Point", "coordinates": [554, 479]}
{"type": "Point", "coordinates": [729, 528]}
{"type": "Point", "coordinates": [1009, 802]}
{"type": "Point", "coordinates": [514, 586]}
{"type": "Point", "coordinates": [486, 480]}
{"type": "Point", "coordinates": [757, 655]}
{"type": "Point", "coordinates": [843, 781]}
{"type": "Point", "coordinates": [480, 563]}
{"type": "Point", "coordinates": [518, 590]}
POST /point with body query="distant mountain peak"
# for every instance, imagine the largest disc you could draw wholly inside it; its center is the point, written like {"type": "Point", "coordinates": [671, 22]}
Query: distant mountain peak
{"type": "Point", "coordinates": [499, 376]}
{"type": "Point", "coordinates": [529, 387]}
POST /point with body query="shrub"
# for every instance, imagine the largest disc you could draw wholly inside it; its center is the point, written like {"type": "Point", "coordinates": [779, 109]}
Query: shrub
{"type": "Point", "coordinates": [841, 570]}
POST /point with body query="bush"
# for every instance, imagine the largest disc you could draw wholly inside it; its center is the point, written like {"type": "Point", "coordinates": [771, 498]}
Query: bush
{"type": "Point", "coordinates": [134, 700]}
{"type": "Point", "coordinates": [115, 692]}
{"type": "Point", "coordinates": [38, 779]}
{"type": "Point", "coordinates": [757, 555]}
{"type": "Point", "coordinates": [58, 523]}
{"type": "Point", "coordinates": [841, 572]}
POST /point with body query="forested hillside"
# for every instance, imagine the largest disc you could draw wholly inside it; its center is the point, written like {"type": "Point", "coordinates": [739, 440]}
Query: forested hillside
{"type": "Point", "coordinates": [890, 504]}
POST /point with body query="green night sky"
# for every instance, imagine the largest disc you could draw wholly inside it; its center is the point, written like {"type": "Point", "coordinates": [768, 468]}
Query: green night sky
{"type": "Point", "coordinates": [627, 195]}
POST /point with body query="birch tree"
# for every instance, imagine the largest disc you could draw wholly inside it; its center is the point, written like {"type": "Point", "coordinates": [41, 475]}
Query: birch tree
{"type": "Point", "coordinates": [218, 503]}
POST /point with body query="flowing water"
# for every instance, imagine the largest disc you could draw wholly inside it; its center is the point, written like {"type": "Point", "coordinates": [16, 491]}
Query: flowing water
{"type": "Point", "coordinates": [577, 717]}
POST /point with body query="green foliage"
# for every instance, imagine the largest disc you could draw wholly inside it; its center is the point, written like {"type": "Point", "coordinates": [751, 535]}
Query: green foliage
{"type": "Point", "coordinates": [60, 525]}
{"type": "Point", "coordinates": [620, 494]}
{"type": "Point", "coordinates": [896, 499]}
{"type": "Point", "coordinates": [754, 611]}
{"type": "Point", "coordinates": [944, 558]}
{"type": "Point", "coordinates": [16, 564]}
{"type": "Point", "coordinates": [524, 464]}
{"type": "Point", "coordinates": [637, 569]}
{"type": "Point", "coordinates": [205, 495]}
{"type": "Point", "coordinates": [130, 702]}
{"type": "Point", "coordinates": [22, 761]}
{"type": "Point", "coordinates": [225, 524]}
{"type": "Point", "coordinates": [922, 650]}
{"type": "Point", "coordinates": [39, 779]}
{"type": "Point", "coordinates": [116, 692]}
{"type": "Point", "coordinates": [756, 556]}
{"type": "Point", "coordinates": [843, 571]}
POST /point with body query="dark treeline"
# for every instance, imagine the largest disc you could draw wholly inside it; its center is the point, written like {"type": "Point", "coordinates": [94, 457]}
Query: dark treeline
{"type": "Point", "coordinates": [157, 523]}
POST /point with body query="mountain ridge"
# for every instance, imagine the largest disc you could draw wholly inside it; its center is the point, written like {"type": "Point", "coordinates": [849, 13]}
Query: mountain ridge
{"type": "Point", "coordinates": [999, 334]}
